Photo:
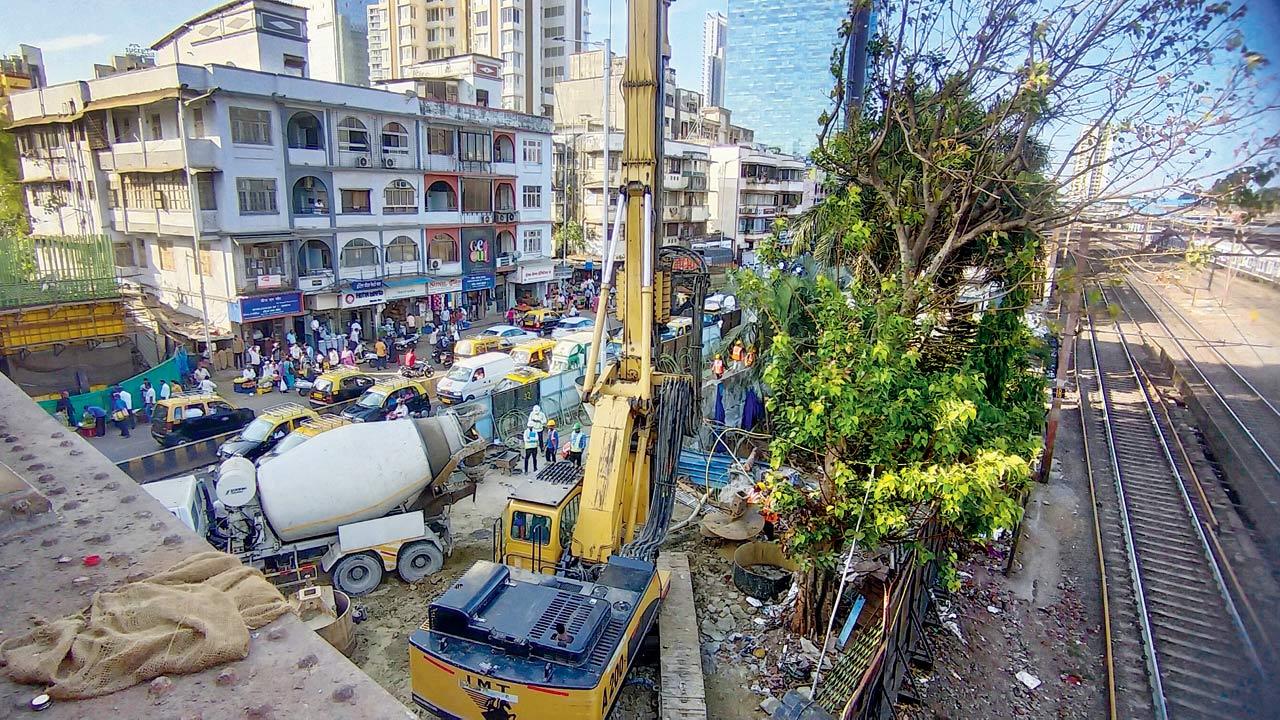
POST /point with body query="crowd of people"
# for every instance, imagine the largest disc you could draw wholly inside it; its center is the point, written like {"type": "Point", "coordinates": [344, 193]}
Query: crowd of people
{"type": "Point", "coordinates": [541, 438]}
{"type": "Point", "coordinates": [740, 356]}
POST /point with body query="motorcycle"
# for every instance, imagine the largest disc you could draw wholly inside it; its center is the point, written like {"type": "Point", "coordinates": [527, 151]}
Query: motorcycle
{"type": "Point", "coordinates": [443, 357]}
{"type": "Point", "coordinates": [419, 369]}
{"type": "Point", "coordinates": [408, 341]}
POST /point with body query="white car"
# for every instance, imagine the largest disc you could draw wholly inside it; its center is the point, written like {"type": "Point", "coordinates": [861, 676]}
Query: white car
{"type": "Point", "coordinates": [720, 301]}
{"type": "Point", "coordinates": [570, 325]}
{"type": "Point", "coordinates": [508, 335]}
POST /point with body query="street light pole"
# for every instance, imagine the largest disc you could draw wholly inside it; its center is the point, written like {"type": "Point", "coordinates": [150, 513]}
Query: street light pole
{"type": "Point", "coordinates": [194, 201]}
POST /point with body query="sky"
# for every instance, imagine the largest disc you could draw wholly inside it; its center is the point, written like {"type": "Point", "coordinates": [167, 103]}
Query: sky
{"type": "Point", "coordinates": [75, 34]}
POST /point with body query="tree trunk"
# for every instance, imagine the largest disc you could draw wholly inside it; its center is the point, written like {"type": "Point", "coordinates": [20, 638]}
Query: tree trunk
{"type": "Point", "coordinates": [814, 602]}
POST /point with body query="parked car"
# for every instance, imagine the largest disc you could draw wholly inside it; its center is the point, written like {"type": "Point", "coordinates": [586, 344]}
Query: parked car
{"type": "Point", "coordinates": [338, 385]}
{"type": "Point", "coordinates": [570, 325]}
{"type": "Point", "coordinates": [378, 401]}
{"type": "Point", "coordinates": [186, 417]}
{"type": "Point", "coordinates": [470, 378]}
{"type": "Point", "coordinates": [304, 432]}
{"type": "Point", "coordinates": [540, 320]}
{"type": "Point", "coordinates": [507, 335]}
{"type": "Point", "coordinates": [260, 436]}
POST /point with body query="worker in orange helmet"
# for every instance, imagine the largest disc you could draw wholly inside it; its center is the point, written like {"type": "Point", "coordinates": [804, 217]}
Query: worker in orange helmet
{"type": "Point", "coordinates": [717, 367]}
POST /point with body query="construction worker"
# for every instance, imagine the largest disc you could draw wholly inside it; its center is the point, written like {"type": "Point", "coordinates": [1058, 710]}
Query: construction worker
{"type": "Point", "coordinates": [530, 447]}
{"type": "Point", "coordinates": [538, 421]}
{"type": "Point", "coordinates": [750, 358]}
{"type": "Point", "coordinates": [551, 441]}
{"type": "Point", "coordinates": [735, 354]}
{"type": "Point", "coordinates": [577, 444]}
{"type": "Point", "coordinates": [717, 367]}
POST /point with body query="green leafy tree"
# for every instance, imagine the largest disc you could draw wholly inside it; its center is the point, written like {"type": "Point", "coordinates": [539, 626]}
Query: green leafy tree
{"type": "Point", "coordinates": [569, 240]}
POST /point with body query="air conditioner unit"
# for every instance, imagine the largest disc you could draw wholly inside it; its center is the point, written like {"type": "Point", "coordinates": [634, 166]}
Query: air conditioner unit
{"type": "Point", "coordinates": [362, 161]}
{"type": "Point", "coordinates": [435, 264]}
{"type": "Point", "coordinates": [389, 162]}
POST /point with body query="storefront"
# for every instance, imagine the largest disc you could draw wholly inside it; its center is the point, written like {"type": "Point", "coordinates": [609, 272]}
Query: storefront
{"type": "Point", "coordinates": [402, 298]}
{"type": "Point", "coordinates": [531, 282]}
{"type": "Point", "coordinates": [443, 294]}
{"type": "Point", "coordinates": [477, 295]}
{"type": "Point", "coordinates": [361, 301]}
{"type": "Point", "coordinates": [267, 316]}
{"type": "Point", "coordinates": [478, 269]}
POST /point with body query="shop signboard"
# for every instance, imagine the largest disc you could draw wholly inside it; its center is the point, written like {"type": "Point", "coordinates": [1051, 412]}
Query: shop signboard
{"type": "Point", "coordinates": [478, 256]}
{"type": "Point", "coordinates": [471, 283]}
{"type": "Point", "coordinates": [408, 290]}
{"type": "Point", "coordinates": [363, 293]}
{"type": "Point", "coordinates": [265, 282]}
{"type": "Point", "coordinates": [266, 307]}
{"type": "Point", "coordinates": [446, 285]}
{"type": "Point", "coordinates": [527, 274]}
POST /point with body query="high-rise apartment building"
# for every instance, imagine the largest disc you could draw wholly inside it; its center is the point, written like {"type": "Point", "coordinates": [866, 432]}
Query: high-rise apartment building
{"type": "Point", "coordinates": [1091, 164]}
{"type": "Point", "coordinates": [714, 31]}
{"type": "Point", "coordinates": [533, 39]}
{"type": "Point", "coordinates": [21, 71]}
{"type": "Point", "coordinates": [337, 40]}
{"type": "Point", "coordinates": [778, 78]}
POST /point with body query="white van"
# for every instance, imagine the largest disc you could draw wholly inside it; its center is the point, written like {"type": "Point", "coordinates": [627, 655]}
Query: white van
{"type": "Point", "coordinates": [571, 352]}
{"type": "Point", "coordinates": [472, 377]}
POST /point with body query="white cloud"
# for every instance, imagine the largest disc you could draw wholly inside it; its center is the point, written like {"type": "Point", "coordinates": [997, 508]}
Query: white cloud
{"type": "Point", "coordinates": [70, 42]}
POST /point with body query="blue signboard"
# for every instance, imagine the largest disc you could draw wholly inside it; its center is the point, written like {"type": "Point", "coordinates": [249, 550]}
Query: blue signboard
{"type": "Point", "coordinates": [477, 282]}
{"type": "Point", "coordinates": [262, 307]}
{"type": "Point", "coordinates": [366, 285]}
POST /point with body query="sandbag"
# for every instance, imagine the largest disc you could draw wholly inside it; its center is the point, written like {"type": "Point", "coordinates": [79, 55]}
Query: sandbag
{"type": "Point", "coordinates": [194, 616]}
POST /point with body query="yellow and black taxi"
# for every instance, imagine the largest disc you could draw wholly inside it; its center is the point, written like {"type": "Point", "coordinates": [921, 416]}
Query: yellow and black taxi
{"type": "Point", "coordinates": [186, 417]}
{"type": "Point", "coordinates": [304, 432]}
{"type": "Point", "coordinates": [520, 377]}
{"type": "Point", "coordinates": [260, 436]}
{"type": "Point", "coordinates": [378, 401]}
{"type": "Point", "coordinates": [338, 385]}
{"type": "Point", "coordinates": [534, 353]}
{"type": "Point", "coordinates": [540, 320]}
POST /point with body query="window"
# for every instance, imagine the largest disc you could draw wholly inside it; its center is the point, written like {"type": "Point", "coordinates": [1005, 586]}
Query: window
{"type": "Point", "coordinates": [439, 141]}
{"type": "Point", "coordinates": [353, 136]}
{"type": "Point", "coordinates": [477, 195]}
{"type": "Point", "coordinates": [157, 128]}
{"type": "Point", "coordinates": [407, 35]}
{"type": "Point", "coordinates": [355, 202]}
{"type": "Point", "coordinates": [257, 196]}
{"type": "Point", "coordinates": [310, 197]}
{"type": "Point", "coordinates": [443, 248]}
{"type": "Point", "coordinates": [512, 38]}
{"type": "Point", "coordinates": [197, 122]}
{"type": "Point", "coordinates": [441, 198]}
{"type": "Point", "coordinates": [531, 242]}
{"type": "Point", "coordinates": [433, 14]}
{"type": "Point", "coordinates": [530, 527]}
{"type": "Point", "coordinates": [402, 250]}
{"type": "Point", "coordinates": [553, 32]}
{"type": "Point", "coordinates": [395, 139]}
{"type": "Point", "coordinates": [506, 200]}
{"type": "Point", "coordinates": [433, 35]}
{"type": "Point", "coordinates": [532, 152]}
{"type": "Point", "coordinates": [510, 15]}
{"type": "Point", "coordinates": [503, 149]}
{"type": "Point", "coordinates": [531, 197]}
{"type": "Point", "coordinates": [263, 259]}
{"type": "Point", "coordinates": [314, 257]}
{"type": "Point", "coordinates": [482, 98]}
{"type": "Point", "coordinates": [557, 11]}
{"type": "Point", "coordinates": [553, 52]}
{"type": "Point", "coordinates": [513, 60]}
{"type": "Point", "coordinates": [304, 132]}
{"type": "Point", "coordinates": [481, 19]}
{"type": "Point", "coordinates": [169, 191]}
{"type": "Point", "coordinates": [404, 13]}
{"type": "Point", "coordinates": [569, 516]}
{"type": "Point", "coordinates": [204, 192]}
{"type": "Point", "coordinates": [124, 124]}
{"type": "Point", "coordinates": [399, 197]}
{"type": "Point", "coordinates": [474, 148]}
{"type": "Point", "coordinates": [358, 253]}
{"type": "Point", "coordinates": [165, 248]}
{"type": "Point", "coordinates": [408, 54]}
{"type": "Point", "coordinates": [295, 65]}
{"type": "Point", "coordinates": [250, 127]}
{"type": "Point", "coordinates": [481, 41]}
{"type": "Point", "coordinates": [123, 254]}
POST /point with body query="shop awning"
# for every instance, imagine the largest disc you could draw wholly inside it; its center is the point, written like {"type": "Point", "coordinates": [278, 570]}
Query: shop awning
{"type": "Point", "coordinates": [134, 99]}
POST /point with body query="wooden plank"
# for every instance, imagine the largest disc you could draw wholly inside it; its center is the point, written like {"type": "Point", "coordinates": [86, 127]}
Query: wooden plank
{"type": "Point", "coordinates": [682, 695]}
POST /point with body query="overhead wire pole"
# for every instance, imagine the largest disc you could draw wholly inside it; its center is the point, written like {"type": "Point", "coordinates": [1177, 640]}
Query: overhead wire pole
{"type": "Point", "coordinates": [193, 200]}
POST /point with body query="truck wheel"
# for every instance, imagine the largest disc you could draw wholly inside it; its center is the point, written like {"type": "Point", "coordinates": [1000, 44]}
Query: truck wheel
{"type": "Point", "coordinates": [357, 574]}
{"type": "Point", "coordinates": [418, 560]}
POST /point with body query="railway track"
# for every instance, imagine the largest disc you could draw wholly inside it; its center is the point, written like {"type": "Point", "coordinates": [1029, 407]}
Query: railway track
{"type": "Point", "coordinates": [1176, 644]}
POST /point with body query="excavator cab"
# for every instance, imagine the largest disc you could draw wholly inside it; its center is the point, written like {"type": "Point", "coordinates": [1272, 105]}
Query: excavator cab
{"type": "Point", "coordinates": [537, 524]}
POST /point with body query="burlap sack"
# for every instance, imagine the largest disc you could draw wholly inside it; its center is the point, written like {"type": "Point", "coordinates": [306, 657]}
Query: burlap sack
{"type": "Point", "coordinates": [193, 616]}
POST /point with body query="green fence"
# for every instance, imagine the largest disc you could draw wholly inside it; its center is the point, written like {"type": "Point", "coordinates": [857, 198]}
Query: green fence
{"type": "Point", "coordinates": [49, 270]}
{"type": "Point", "coordinates": [167, 370]}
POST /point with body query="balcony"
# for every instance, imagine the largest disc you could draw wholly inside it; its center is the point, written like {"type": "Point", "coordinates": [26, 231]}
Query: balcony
{"type": "Point", "coordinates": [506, 262]}
{"type": "Point", "coordinates": [675, 181]}
{"type": "Point", "coordinates": [504, 168]}
{"type": "Point", "coordinates": [153, 154]}
{"type": "Point", "coordinates": [264, 283]}
{"type": "Point", "coordinates": [505, 217]}
{"type": "Point", "coordinates": [757, 210]}
{"type": "Point", "coordinates": [52, 167]}
{"type": "Point", "coordinates": [676, 214]}
{"type": "Point", "coordinates": [484, 217]}
{"type": "Point", "coordinates": [699, 213]}
{"type": "Point", "coordinates": [316, 281]}
{"type": "Point", "coordinates": [308, 157]}
{"type": "Point", "coordinates": [442, 163]}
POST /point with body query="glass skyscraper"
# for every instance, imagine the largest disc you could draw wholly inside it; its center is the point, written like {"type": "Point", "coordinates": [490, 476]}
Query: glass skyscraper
{"type": "Point", "coordinates": [778, 68]}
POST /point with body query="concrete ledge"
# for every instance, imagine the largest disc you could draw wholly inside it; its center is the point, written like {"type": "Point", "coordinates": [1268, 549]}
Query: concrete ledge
{"type": "Point", "coordinates": [95, 509]}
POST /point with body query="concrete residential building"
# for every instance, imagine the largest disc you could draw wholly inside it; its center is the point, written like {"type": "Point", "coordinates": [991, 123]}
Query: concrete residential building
{"type": "Point", "coordinates": [750, 186]}
{"type": "Point", "coordinates": [778, 78]}
{"type": "Point", "coordinates": [715, 30]}
{"type": "Point", "coordinates": [338, 40]}
{"type": "Point", "coordinates": [21, 71]}
{"type": "Point", "coordinates": [311, 199]}
{"type": "Point", "coordinates": [406, 32]}
{"type": "Point", "coordinates": [1091, 162]}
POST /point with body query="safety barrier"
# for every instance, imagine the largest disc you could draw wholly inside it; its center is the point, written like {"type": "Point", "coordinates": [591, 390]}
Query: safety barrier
{"type": "Point", "coordinates": [167, 370]}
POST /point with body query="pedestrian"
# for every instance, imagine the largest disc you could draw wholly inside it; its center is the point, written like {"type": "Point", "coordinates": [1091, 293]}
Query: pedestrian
{"type": "Point", "coordinates": [295, 353]}
{"type": "Point", "coordinates": [354, 334]}
{"type": "Point", "coordinates": [431, 335]}
{"type": "Point", "coordinates": [291, 337]}
{"type": "Point", "coordinates": [97, 417]}
{"type": "Point", "coordinates": [380, 350]}
{"type": "Point", "coordinates": [334, 360]}
{"type": "Point", "coordinates": [208, 387]}
{"type": "Point", "coordinates": [717, 367]}
{"type": "Point", "coordinates": [573, 310]}
{"type": "Point", "coordinates": [538, 421]}
{"type": "Point", "coordinates": [530, 447]}
{"type": "Point", "coordinates": [577, 444]}
{"type": "Point", "coordinates": [511, 316]}
{"type": "Point", "coordinates": [127, 397]}
{"type": "Point", "coordinates": [120, 414]}
{"type": "Point", "coordinates": [148, 400]}
{"type": "Point", "coordinates": [750, 358]}
{"type": "Point", "coordinates": [315, 333]}
{"type": "Point", "coordinates": [348, 357]}
{"type": "Point", "coordinates": [288, 372]}
{"type": "Point", "coordinates": [237, 350]}
{"type": "Point", "coordinates": [64, 407]}
{"type": "Point", "coordinates": [165, 390]}
{"type": "Point", "coordinates": [552, 441]}
{"type": "Point", "coordinates": [255, 360]}
{"type": "Point", "coordinates": [310, 353]}
{"type": "Point", "coordinates": [411, 322]}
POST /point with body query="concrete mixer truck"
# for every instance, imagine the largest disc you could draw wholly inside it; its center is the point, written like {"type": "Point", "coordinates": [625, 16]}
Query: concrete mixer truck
{"type": "Point", "coordinates": [358, 501]}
